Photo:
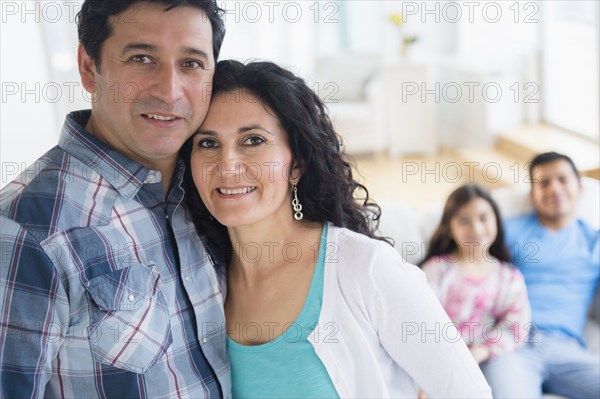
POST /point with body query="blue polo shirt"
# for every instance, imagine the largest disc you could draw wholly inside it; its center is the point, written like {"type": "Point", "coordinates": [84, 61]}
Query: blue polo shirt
{"type": "Point", "coordinates": [561, 270]}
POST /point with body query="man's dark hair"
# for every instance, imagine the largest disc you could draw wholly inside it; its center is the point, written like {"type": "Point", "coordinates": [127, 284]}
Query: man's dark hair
{"type": "Point", "coordinates": [94, 26]}
{"type": "Point", "coordinates": [548, 157]}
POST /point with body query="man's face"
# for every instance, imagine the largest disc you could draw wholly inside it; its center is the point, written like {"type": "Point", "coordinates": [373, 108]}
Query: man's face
{"type": "Point", "coordinates": [555, 190]}
{"type": "Point", "coordinates": [153, 87]}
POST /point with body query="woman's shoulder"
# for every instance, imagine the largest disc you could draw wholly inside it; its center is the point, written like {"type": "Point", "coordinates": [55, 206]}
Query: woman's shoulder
{"type": "Point", "coordinates": [358, 246]}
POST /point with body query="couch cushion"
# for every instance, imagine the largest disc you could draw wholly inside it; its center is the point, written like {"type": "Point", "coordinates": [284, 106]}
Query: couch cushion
{"type": "Point", "coordinates": [399, 222]}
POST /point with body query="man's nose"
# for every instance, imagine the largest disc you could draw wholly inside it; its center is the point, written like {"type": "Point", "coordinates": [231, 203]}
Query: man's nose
{"type": "Point", "coordinates": [168, 86]}
{"type": "Point", "coordinates": [553, 185]}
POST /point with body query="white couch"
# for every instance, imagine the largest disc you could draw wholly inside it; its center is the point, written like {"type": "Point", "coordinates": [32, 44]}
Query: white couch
{"type": "Point", "coordinates": [351, 87]}
{"type": "Point", "coordinates": [412, 229]}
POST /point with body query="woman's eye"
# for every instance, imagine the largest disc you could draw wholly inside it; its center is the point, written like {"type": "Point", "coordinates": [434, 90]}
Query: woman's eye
{"type": "Point", "coordinates": [207, 143]}
{"type": "Point", "coordinates": [254, 140]}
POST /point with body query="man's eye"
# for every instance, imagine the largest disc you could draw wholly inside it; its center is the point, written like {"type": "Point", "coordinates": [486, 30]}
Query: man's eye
{"type": "Point", "coordinates": [142, 59]}
{"type": "Point", "coordinates": [192, 64]}
{"type": "Point", "coordinates": [254, 140]}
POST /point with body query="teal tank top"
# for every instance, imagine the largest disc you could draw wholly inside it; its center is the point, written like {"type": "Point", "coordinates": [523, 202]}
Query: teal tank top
{"type": "Point", "coordinates": [288, 366]}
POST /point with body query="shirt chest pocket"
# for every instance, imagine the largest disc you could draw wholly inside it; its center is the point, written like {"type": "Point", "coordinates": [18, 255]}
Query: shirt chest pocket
{"type": "Point", "coordinates": [130, 326]}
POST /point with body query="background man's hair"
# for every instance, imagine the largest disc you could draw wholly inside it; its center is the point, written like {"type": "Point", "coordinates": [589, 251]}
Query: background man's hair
{"type": "Point", "coordinates": [548, 157]}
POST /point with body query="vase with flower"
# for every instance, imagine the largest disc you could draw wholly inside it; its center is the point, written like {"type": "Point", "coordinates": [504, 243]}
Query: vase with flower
{"type": "Point", "coordinates": [397, 19]}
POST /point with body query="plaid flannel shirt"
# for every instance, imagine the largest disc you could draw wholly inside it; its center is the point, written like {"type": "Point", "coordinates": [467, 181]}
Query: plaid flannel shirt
{"type": "Point", "coordinates": [105, 287]}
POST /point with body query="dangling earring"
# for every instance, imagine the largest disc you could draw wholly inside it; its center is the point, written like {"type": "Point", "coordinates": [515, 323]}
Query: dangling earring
{"type": "Point", "coordinates": [296, 205]}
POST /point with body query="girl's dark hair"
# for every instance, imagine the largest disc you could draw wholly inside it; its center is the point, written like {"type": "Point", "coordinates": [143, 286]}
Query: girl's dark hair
{"type": "Point", "coordinates": [94, 27]}
{"type": "Point", "coordinates": [442, 243]}
{"type": "Point", "coordinates": [327, 190]}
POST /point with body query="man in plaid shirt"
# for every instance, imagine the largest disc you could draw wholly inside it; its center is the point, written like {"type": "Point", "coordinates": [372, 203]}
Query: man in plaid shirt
{"type": "Point", "coordinates": [105, 287]}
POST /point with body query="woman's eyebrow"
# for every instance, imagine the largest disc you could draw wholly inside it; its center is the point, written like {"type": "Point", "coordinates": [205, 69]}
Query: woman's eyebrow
{"type": "Point", "coordinates": [241, 130]}
{"type": "Point", "coordinates": [206, 132]}
{"type": "Point", "coordinates": [244, 129]}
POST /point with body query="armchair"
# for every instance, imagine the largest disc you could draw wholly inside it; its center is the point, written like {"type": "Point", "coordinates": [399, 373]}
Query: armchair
{"type": "Point", "coordinates": [351, 87]}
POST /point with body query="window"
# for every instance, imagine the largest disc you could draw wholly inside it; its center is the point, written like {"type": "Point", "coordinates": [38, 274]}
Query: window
{"type": "Point", "coordinates": [570, 65]}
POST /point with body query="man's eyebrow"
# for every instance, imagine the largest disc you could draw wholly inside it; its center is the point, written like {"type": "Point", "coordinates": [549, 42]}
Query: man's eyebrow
{"type": "Point", "coordinates": [151, 47]}
{"type": "Point", "coordinates": [138, 46]}
{"type": "Point", "coordinates": [196, 52]}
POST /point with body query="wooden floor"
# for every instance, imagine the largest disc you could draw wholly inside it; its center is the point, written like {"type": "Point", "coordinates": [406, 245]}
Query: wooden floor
{"type": "Point", "coordinates": [417, 181]}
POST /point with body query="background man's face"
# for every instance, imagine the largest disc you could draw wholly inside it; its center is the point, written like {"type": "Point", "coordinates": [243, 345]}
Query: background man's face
{"type": "Point", "coordinates": [555, 190]}
{"type": "Point", "coordinates": [153, 87]}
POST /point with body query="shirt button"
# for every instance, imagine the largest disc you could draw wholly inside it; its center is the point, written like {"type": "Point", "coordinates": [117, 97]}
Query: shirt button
{"type": "Point", "coordinates": [131, 298]}
{"type": "Point", "coordinates": [204, 340]}
{"type": "Point", "coordinates": [186, 277]}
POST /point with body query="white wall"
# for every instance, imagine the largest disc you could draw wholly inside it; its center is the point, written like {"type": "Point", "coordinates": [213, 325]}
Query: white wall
{"type": "Point", "coordinates": [278, 31]}
{"type": "Point", "coordinates": [28, 126]}
{"type": "Point", "coordinates": [39, 81]}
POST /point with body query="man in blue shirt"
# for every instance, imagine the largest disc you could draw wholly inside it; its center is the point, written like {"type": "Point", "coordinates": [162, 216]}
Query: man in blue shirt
{"type": "Point", "coordinates": [559, 257]}
{"type": "Point", "coordinates": [105, 287]}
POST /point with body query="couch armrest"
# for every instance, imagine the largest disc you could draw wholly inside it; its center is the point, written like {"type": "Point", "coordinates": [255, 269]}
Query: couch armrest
{"type": "Point", "coordinates": [591, 332]}
{"type": "Point", "coordinates": [595, 308]}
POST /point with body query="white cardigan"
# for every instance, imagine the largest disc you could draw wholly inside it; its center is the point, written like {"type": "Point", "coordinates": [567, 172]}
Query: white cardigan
{"type": "Point", "coordinates": [382, 331]}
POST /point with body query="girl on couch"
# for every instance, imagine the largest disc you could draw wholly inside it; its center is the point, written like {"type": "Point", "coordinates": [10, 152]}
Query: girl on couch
{"type": "Point", "coordinates": [469, 268]}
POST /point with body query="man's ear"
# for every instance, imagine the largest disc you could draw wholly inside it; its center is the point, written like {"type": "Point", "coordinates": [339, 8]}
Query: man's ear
{"type": "Point", "coordinates": [87, 69]}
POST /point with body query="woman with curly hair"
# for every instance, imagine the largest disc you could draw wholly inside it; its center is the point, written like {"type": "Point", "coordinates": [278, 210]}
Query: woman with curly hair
{"type": "Point", "coordinates": [317, 304]}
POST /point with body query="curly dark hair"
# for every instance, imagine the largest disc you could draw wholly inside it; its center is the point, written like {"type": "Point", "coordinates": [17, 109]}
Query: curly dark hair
{"type": "Point", "coordinates": [327, 188]}
{"type": "Point", "coordinates": [442, 243]}
{"type": "Point", "coordinates": [94, 27]}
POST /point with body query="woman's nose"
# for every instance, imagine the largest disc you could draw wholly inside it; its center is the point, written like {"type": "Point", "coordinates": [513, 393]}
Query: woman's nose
{"type": "Point", "coordinates": [232, 164]}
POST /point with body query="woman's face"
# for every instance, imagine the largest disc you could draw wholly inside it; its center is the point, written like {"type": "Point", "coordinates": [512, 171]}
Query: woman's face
{"type": "Point", "coordinates": [474, 227]}
{"type": "Point", "coordinates": [241, 161]}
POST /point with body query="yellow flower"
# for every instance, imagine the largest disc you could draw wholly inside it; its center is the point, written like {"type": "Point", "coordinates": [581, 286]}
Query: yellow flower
{"type": "Point", "coordinates": [396, 18]}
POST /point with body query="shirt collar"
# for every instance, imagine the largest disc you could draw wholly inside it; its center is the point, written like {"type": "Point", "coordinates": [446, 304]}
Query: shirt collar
{"type": "Point", "coordinates": [125, 175]}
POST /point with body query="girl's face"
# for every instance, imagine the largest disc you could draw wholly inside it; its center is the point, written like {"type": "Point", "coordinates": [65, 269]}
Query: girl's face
{"type": "Point", "coordinates": [474, 228]}
{"type": "Point", "coordinates": [241, 162]}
